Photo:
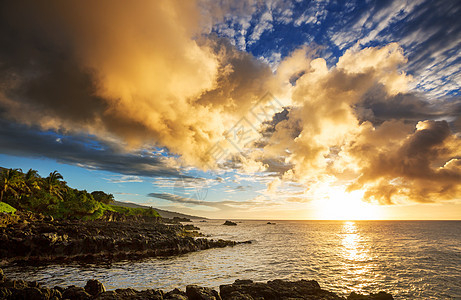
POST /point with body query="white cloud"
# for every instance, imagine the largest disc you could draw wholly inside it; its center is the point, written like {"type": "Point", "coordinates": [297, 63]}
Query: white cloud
{"type": "Point", "coordinates": [265, 24]}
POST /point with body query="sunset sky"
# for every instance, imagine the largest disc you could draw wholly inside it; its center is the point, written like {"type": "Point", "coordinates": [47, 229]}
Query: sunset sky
{"type": "Point", "coordinates": [240, 109]}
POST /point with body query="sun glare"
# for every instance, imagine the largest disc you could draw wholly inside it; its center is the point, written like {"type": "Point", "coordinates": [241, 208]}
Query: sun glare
{"type": "Point", "coordinates": [338, 204]}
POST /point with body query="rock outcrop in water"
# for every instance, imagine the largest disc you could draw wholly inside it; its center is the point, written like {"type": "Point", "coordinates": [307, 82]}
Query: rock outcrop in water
{"type": "Point", "coordinates": [33, 237]}
{"type": "Point", "coordinates": [240, 289]}
{"type": "Point", "coordinates": [230, 223]}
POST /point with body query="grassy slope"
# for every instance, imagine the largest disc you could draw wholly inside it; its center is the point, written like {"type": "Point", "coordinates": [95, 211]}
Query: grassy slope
{"type": "Point", "coordinates": [6, 208]}
{"type": "Point", "coordinates": [125, 210]}
{"type": "Point", "coordinates": [135, 211]}
{"type": "Point", "coordinates": [163, 213]}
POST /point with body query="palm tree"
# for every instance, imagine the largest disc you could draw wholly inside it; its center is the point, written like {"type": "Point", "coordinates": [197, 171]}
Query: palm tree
{"type": "Point", "coordinates": [54, 185]}
{"type": "Point", "coordinates": [31, 182]}
{"type": "Point", "coordinates": [31, 179]}
{"type": "Point", "coordinates": [11, 182]}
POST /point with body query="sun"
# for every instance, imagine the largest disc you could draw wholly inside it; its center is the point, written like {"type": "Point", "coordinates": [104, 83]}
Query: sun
{"type": "Point", "coordinates": [337, 204]}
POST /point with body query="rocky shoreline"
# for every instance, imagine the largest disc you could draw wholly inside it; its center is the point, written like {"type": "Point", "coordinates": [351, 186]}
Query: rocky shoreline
{"type": "Point", "coordinates": [28, 238]}
{"type": "Point", "coordinates": [240, 289]}
{"type": "Point", "coordinates": [33, 238]}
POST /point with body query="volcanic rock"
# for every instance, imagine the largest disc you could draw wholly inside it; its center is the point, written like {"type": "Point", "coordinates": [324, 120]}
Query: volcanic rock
{"type": "Point", "coordinates": [230, 223]}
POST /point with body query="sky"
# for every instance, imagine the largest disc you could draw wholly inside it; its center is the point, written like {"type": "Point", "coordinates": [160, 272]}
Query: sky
{"type": "Point", "coordinates": [240, 109]}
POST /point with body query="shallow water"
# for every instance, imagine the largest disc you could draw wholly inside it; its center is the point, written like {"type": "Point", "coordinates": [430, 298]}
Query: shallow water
{"type": "Point", "coordinates": [410, 259]}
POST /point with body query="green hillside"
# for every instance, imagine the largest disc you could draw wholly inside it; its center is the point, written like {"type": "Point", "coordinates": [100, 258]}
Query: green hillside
{"type": "Point", "coordinates": [163, 213]}
{"type": "Point", "coordinates": [4, 207]}
{"type": "Point", "coordinates": [52, 196]}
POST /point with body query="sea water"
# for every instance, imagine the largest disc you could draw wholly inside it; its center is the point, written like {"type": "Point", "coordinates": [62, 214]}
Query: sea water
{"type": "Point", "coordinates": [409, 259]}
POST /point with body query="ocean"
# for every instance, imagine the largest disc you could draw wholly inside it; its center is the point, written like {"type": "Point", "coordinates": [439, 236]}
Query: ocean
{"type": "Point", "coordinates": [409, 259]}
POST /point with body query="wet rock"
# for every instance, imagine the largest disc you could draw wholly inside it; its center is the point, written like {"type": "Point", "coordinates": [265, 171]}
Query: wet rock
{"type": "Point", "coordinates": [378, 296]}
{"type": "Point", "coordinates": [220, 243]}
{"type": "Point", "coordinates": [131, 294]}
{"type": "Point", "coordinates": [230, 223]}
{"type": "Point", "coordinates": [55, 294]}
{"type": "Point", "coordinates": [195, 292]}
{"type": "Point", "coordinates": [190, 227]}
{"type": "Point", "coordinates": [240, 289]}
{"type": "Point", "coordinates": [244, 242]}
{"type": "Point", "coordinates": [110, 295]}
{"type": "Point", "coordinates": [94, 287]}
{"type": "Point", "coordinates": [126, 292]}
{"type": "Point", "coordinates": [19, 284]}
{"type": "Point", "coordinates": [276, 289]}
{"type": "Point", "coordinates": [150, 294]}
{"type": "Point", "coordinates": [243, 281]}
{"type": "Point", "coordinates": [175, 295]}
{"type": "Point", "coordinates": [75, 292]}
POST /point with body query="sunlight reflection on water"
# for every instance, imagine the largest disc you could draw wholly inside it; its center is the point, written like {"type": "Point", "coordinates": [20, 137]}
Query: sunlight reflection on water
{"type": "Point", "coordinates": [354, 254]}
{"type": "Point", "coordinates": [412, 260]}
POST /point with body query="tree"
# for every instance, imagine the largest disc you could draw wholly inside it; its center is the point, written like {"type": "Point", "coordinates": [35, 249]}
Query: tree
{"type": "Point", "coordinates": [30, 189]}
{"type": "Point", "coordinates": [100, 196]}
{"type": "Point", "coordinates": [32, 180]}
{"type": "Point", "coordinates": [54, 185]}
{"type": "Point", "coordinates": [11, 182]}
{"type": "Point", "coordinates": [78, 203]}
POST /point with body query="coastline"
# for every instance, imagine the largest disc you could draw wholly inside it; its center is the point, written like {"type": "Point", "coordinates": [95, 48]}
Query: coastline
{"type": "Point", "coordinates": [29, 238]}
{"type": "Point", "coordinates": [34, 238]}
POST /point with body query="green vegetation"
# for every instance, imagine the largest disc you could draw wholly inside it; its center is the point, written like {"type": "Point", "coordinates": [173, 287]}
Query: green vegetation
{"type": "Point", "coordinates": [124, 210]}
{"type": "Point", "coordinates": [135, 211]}
{"type": "Point", "coordinates": [52, 196]}
{"type": "Point", "coordinates": [4, 207]}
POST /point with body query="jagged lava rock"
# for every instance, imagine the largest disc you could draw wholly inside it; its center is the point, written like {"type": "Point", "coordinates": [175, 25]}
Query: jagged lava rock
{"type": "Point", "coordinates": [94, 287]}
{"type": "Point", "coordinates": [32, 238]}
{"type": "Point", "coordinates": [75, 292]}
{"type": "Point", "coordinates": [275, 289]}
{"type": "Point", "coordinates": [240, 289]}
{"type": "Point", "coordinates": [195, 292]}
{"type": "Point", "coordinates": [230, 223]}
{"type": "Point", "coordinates": [175, 295]}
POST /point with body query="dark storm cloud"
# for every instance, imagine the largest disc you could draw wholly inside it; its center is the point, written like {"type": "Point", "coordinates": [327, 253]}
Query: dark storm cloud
{"type": "Point", "coordinates": [20, 140]}
{"type": "Point", "coordinates": [39, 70]}
{"type": "Point", "coordinates": [377, 106]}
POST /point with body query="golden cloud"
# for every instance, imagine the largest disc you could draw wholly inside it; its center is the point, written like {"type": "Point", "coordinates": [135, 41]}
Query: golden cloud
{"type": "Point", "coordinates": [391, 161]}
{"type": "Point", "coordinates": [144, 74]}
